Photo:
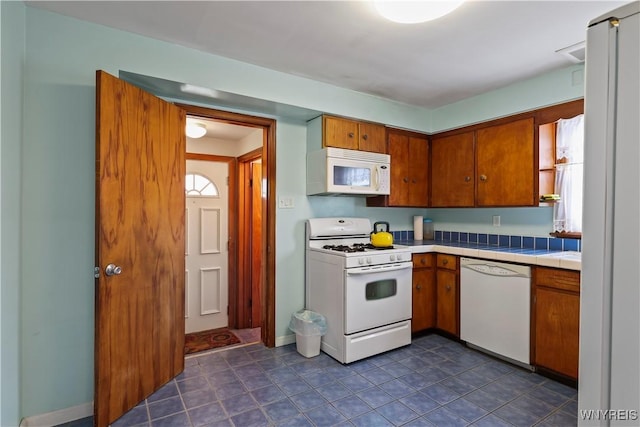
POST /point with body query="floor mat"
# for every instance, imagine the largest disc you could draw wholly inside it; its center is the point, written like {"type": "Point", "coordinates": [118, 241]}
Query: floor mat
{"type": "Point", "coordinates": [206, 340]}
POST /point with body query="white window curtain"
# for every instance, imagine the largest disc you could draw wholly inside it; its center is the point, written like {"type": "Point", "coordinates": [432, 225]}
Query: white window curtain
{"type": "Point", "coordinates": [569, 168]}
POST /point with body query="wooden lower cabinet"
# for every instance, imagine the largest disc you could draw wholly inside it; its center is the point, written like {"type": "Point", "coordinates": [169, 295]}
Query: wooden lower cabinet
{"type": "Point", "coordinates": [556, 320]}
{"type": "Point", "coordinates": [448, 301]}
{"type": "Point", "coordinates": [424, 292]}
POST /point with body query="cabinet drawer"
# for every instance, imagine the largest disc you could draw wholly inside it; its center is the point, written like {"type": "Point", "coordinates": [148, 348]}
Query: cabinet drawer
{"type": "Point", "coordinates": [449, 262]}
{"type": "Point", "coordinates": [422, 260]}
{"type": "Point", "coordinates": [558, 278]}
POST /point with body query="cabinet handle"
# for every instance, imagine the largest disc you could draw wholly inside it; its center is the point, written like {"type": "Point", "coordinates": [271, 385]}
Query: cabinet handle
{"type": "Point", "coordinates": [448, 288]}
{"type": "Point", "coordinates": [445, 261]}
{"type": "Point", "coordinates": [467, 178]}
{"type": "Point", "coordinates": [365, 137]}
{"type": "Point", "coordinates": [405, 180]}
{"type": "Point", "coordinates": [418, 287]}
{"type": "Point", "coordinates": [483, 177]}
{"type": "Point", "coordinates": [422, 261]}
{"type": "Point", "coordinates": [351, 135]}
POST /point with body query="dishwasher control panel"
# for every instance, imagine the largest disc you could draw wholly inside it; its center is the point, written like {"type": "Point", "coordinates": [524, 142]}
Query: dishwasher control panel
{"type": "Point", "coordinates": [494, 269]}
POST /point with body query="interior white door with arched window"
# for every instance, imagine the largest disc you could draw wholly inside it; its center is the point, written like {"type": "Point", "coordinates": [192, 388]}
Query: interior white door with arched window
{"type": "Point", "coordinates": [206, 251]}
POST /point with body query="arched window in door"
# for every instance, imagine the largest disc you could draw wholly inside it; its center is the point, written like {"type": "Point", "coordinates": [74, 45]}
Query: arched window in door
{"type": "Point", "coordinates": [200, 185]}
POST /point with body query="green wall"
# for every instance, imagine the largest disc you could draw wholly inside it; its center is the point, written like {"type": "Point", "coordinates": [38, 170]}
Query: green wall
{"type": "Point", "coordinates": [12, 30]}
{"type": "Point", "coordinates": [52, 259]}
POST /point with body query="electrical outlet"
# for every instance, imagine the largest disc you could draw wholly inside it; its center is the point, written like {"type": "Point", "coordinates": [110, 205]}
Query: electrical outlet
{"type": "Point", "coordinates": [496, 220]}
{"type": "Point", "coordinates": [285, 202]}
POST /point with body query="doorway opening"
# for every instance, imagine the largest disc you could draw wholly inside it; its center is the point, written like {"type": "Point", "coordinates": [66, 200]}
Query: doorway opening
{"type": "Point", "coordinates": [243, 147]}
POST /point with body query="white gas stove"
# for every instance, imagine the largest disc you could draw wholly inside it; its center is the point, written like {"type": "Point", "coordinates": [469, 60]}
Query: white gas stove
{"type": "Point", "coordinates": [363, 291]}
{"type": "Point", "coordinates": [348, 240]}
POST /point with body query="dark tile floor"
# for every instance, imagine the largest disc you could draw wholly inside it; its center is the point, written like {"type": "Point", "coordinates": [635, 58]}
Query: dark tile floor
{"type": "Point", "coordinates": [432, 382]}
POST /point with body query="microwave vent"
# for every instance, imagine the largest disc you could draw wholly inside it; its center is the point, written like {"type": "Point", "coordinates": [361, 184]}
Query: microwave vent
{"type": "Point", "coordinates": [357, 155]}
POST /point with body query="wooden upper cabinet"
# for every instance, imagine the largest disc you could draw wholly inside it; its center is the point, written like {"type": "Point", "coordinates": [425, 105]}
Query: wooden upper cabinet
{"type": "Point", "coordinates": [353, 135]}
{"type": "Point", "coordinates": [505, 165]}
{"type": "Point", "coordinates": [489, 166]}
{"type": "Point", "coordinates": [547, 159]}
{"type": "Point", "coordinates": [372, 137]}
{"type": "Point", "coordinates": [452, 171]}
{"type": "Point", "coordinates": [409, 168]}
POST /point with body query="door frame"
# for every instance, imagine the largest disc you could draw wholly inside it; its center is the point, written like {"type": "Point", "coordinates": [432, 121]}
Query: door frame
{"type": "Point", "coordinates": [268, 214]}
{"type": "Point", "coordinates": [245, 239]}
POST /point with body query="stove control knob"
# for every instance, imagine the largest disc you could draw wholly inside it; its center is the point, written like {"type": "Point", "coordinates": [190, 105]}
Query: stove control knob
{"type": "Point", "coordinates": [361, 261]}
{"type": "Point", "coordinates": [398, 257]}
{"type": "Point", "coordinates": [369, 260]}
{"type": "Point", "coordinates": [392, 257]}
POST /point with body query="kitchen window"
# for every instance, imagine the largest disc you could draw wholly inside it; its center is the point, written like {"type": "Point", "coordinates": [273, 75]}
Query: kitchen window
{"type": "Point", "coordinates": [567, 214]}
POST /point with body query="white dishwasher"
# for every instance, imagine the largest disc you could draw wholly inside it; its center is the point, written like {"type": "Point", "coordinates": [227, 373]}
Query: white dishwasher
{"type": "Point", "coordinates": [495, 308]}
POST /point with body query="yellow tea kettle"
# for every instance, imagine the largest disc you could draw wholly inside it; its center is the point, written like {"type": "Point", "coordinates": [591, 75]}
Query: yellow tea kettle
{"type": "Point", "coordinates": [380, 236]}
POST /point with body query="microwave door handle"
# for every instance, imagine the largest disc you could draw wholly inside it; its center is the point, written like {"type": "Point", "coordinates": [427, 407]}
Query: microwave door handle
{"type": "Point", "coordinates": [376, 178]}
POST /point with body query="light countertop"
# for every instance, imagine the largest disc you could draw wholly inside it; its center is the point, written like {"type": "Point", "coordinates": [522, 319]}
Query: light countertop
{"type": "Point", "coordinates": [570, 260]}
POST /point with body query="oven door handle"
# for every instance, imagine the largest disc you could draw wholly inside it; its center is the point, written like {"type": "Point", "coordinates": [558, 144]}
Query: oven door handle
{"type": "Point", "coordinates": [379, 268]}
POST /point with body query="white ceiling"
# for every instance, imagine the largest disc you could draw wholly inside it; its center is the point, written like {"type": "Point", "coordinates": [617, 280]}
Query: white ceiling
{"type": "Point", "coordinates": [481, 46]}
{"type": "Point", "coordinates": [226, 131]}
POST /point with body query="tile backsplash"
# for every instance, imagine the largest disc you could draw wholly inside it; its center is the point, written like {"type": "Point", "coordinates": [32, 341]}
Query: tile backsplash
{"type": "Point", "coordinates": [500, 240]}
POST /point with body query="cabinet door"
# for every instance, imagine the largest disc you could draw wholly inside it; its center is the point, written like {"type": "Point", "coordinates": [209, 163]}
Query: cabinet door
{"type": "Point", "coordinates": [399, 152]}
{"type": "Point", "coordinates": [452, 173]}
{"type": "Point", "coordinates": [418, 159]}
{"type": "Point", "coordinates": [340, 133]}
{"type": "Point", "coordinates": [505, 165]}
{"type": "Point", "coordinates": [409, 169]}
{"type": "Point", "coordinates": [372, 138]}
{"type": "Point", "coordinates": [447, 296]}
{"type": "Point", "coordinates": [424, 299]}
{"type": "Point", "coordinates": [557, 315]}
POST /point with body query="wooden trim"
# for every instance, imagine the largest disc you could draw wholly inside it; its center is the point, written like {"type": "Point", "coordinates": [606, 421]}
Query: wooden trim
{"type": "Point", "coordinates": [566, 235]}
{"type": "Point", "coordinates": [269, 208]}
{"type": "Point", "coordinates": [554, 113]}
{"type": "Point", "coordinates": [251, 155]}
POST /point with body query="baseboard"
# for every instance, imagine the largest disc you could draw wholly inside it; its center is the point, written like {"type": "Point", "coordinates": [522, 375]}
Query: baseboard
{"type": "Point", "coordinates": [59, 417]}
{"type": "Point", "coordinates": [285, 340]}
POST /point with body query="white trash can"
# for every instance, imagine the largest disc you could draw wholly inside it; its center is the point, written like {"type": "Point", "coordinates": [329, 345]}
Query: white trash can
{"type": "Point", "coordinates": [309, 327]}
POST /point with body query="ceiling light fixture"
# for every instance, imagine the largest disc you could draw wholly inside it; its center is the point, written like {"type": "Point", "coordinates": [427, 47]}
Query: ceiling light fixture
{"type": "Point", "coordinates": [196, 130]}
{"type": "Point", "coordinates": [415, 11]}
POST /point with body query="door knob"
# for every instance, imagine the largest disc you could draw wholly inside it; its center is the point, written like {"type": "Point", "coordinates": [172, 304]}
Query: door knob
{"type": "Point", "coordinates": [112, 270]}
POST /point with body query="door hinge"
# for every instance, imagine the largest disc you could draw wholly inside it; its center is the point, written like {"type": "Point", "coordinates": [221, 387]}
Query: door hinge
{"type": "Point", "coordinates": [251, 182]}
{"type": "Point", "coordinates": [96, 272]}
{"type": "Point", "coordinates": [250, 303]}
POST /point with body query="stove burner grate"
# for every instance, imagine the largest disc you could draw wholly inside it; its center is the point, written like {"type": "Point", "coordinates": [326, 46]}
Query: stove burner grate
{"type": "Point", "coordinates": [356, 247]}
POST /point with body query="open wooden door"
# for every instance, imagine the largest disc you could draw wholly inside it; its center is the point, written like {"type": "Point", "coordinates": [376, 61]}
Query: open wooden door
{"type": "Point", "coordinates": [140, 246]}
{"type": "Point", "coordinates": [256, 244]}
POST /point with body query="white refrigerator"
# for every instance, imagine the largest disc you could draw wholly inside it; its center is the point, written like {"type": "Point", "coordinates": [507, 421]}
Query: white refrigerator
{"type": "Point", "coordinates": [609, 371]}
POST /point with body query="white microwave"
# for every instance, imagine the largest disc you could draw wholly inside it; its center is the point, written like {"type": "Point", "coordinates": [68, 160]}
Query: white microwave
{"type": "Point", "coordinates": [348, 172]}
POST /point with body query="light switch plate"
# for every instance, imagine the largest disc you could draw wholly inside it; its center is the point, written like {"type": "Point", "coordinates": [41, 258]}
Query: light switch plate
{"type": "Point", "coordinates": [285, 202]}
{"type": "Point", "coordinates": [496, 220]}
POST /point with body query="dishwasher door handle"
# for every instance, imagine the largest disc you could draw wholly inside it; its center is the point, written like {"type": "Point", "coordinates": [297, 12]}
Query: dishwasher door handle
{"type": "Point", "coordinates": [494, 270]}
